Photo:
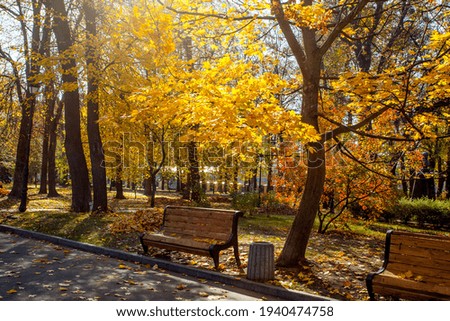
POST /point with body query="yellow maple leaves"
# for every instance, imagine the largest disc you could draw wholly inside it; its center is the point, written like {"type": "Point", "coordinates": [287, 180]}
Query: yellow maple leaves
{"type": "Point", "coordinates": [315, 16]}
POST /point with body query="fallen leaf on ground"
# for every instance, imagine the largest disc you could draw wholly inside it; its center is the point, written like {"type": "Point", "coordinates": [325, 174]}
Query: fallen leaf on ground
{"type": "Point", "coordinates": [181, 286]}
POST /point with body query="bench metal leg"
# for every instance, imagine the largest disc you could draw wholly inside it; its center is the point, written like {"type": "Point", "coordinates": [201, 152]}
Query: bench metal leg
{"type": "Point", "coordinates": [215, 256]}
{"type": "Point", "coordinates": [369, 280]}
{"type": "Point", "coordinates": [145, 247]}
{"type": "Point", "coordinates": [236, 255]}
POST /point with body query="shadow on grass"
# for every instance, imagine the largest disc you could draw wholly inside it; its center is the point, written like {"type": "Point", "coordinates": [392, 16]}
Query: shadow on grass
{"type": "Point", "coordinates": [7, 203]}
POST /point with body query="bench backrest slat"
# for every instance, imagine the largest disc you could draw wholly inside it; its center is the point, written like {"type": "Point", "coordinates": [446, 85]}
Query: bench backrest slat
{"type": "Point", "coordinates": [199, 222]}
{"type": "Point", "coordinates": [427, 257]}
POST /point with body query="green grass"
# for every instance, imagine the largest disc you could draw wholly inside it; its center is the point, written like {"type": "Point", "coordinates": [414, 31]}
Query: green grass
{"type": "Point", "coordinates": [53, 216]}
{"type": "Point", "coordinates": [273, 224]}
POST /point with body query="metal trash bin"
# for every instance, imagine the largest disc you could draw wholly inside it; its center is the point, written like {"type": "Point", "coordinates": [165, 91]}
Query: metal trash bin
{"type": "Point", "coordinates": [261, 263]}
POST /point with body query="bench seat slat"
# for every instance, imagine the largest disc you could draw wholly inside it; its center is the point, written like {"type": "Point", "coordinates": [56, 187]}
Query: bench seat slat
{"type": "Point", "coordinates": [404, 293]}
{"type": "Point", "coordinates": [422, 245]}
{"type": "Point", "coordinates": [196, 213]}
{"type": "Point", "coordinates": [420, 253]}
{"type": "Point", "coordinates": [220, 218]}
{"type": "Point", "coordinates": [439, 277]}
{"type": "Point", "coordinates": [177, 240]}
{"type": "Point", "coordinates": [219, 237]}
{"type": "Point", "coordinates": [434, 263]}
{"type": "Point", "coordinates": [203, 227]}
{"type": "Point", "coordinates": [391, 280]}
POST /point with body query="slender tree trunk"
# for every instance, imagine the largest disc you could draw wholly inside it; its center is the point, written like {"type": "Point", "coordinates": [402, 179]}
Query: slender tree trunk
{"type": "Point", "coordinates": [53, 135]}
{"type": "Point", "coordinates": [152, 189]}
{"type": "Point", "coordinates": [50, 100]}
{"type": "Point", "coordinates": [22, 146]}
{"type": "Point", "coordinates": [447, 182]}
{"type": "Point", "coordinates": [147, 187]}
{"type": "Point", "coordinates": [28, 104]}
{"type": "Point", "coordinates": [95, 141]}
{"type": "Point", "coordinates": [179, 181]}
{"type": "Point", "coordinates": [119, 182]}
{"type": "Point", "coordinates": [194, 173]}
{"type": "Point", "coordinates": [50, 110]}
{"type": "Point", "coordinates": [235, 176]}
{"type": "Point", "coordinates": [45, 147]}
{"type": "Point", "coordinates": [73, 143]}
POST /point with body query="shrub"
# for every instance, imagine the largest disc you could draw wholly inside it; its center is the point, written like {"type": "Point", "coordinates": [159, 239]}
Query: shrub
{"type": "Point", "coordinates": [276, 204]}
{"type": "Point", "coordinates": [245, 202]}
{"type": "Point", "coordinates": [422, 211]}
{"type": "Point", "coordinates": [203, 201]}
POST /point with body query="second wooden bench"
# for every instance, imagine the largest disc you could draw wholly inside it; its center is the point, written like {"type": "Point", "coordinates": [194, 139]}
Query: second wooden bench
{"type": "Point", "coordinates": [196, 230]}
{"type": "Point", "coordinates": [416, 267]}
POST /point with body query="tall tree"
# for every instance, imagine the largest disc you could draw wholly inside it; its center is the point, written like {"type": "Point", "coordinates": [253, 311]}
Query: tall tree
{"type": "Point", "coordinates": [50, 106]}
{"type": "Point", "coordinates": [95, 140]}
{"type": "Point", "coordinates": [27, 100]}
{"type": "Point", "coordinates": [311, 29]}
{"type": "Point", "coordinates": [73, 143]}
{"type": "Point", "coordinates": [309, 53]}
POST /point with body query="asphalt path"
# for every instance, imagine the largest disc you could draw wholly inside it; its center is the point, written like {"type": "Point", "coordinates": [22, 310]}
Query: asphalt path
{"type": "Point", "coordinates": [33, 270]}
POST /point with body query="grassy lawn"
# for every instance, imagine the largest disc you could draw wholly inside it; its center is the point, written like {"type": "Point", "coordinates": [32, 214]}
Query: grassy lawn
{"type": "Point", "coordinates": [338, 261]}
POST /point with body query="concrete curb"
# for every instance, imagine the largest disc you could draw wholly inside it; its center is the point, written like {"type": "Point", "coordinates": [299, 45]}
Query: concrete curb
{"type": "Point", "coordinates": [263, 289]}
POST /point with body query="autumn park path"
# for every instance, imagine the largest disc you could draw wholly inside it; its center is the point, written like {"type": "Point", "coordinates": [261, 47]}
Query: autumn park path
{"type": "Point", "coordinates": [36, 270]}
{"type": "Point", "coordinates": [32, 269]}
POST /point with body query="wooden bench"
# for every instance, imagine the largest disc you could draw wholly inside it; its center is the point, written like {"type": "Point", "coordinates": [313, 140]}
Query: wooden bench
{"type": "Point", "coordinates": [202, 231]}
{"type": "Point", "coordinates": [416, 267]}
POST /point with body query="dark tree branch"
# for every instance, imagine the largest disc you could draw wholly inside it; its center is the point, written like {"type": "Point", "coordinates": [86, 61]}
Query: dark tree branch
{"type": "Point", "coordinates": [342, 129]}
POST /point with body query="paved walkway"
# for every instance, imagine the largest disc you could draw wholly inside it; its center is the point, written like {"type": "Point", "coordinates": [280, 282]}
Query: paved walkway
{"type": "Point", "coordinates": [37, 270]}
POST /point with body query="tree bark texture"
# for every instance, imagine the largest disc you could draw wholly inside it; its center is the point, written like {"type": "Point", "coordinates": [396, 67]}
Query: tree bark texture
{"type": "Point", "coordinates": [119, 182]}
{"type": "Point", "coordinates": [98, 169]}
{"type": "Point", "coordinates": [23, 145]}
{"type": "Point", "coordinates": [73, 143]}
{"type": "Point", "coordinates": [53, 135]}
{"type": "Point", "coordinates": [50, 101]}
{"type": "Point", "coordinates": [50, 109]}
{"type": "Point", "coordinates": [27, 105]}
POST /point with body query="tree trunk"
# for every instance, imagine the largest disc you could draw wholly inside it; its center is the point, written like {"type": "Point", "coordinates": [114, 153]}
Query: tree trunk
{"type": "Point", "coordinates": [294, 249]}
{"type": "Point", "coordinates": [235, 176]}
{"type": "Point", "coordinates": [73, 143]}
{"type": "Point", "coordinates": [447, 183]}
{"type": "Point", "coordinates": [23, 145]}
{"type": "Point", "coordinates": [19, 187]}
{"type": "Point", "coordinates": [50, 101]}
{"type": "Point", "coordinates": [53, 131]}
{"type": "Point", "coordinates": [147, 187]}
{"type": "Point", "coordinates": [152, 189]}
{"type": "Point", "coordinates": [50, 109]}
{"type": "Point", "coordinates": [194, 173]}
{"type": "Point", "coordinates": [308, 56]}
{"type": "Point", "coordinates": [95, 141]}
{"type": "Point", "coordinates": [119, 182]}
